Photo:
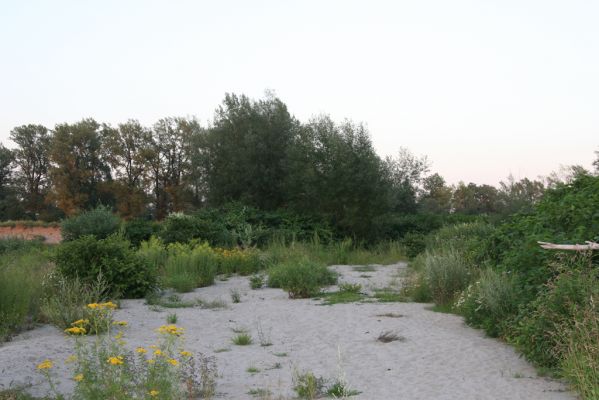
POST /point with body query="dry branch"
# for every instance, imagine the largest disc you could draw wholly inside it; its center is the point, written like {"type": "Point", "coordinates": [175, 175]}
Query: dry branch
{"type": "Point", "coordinates": [575, 247]}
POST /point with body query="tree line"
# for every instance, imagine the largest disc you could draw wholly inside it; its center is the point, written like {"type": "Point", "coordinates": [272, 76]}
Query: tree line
{"type": "Point", "coordinates": [254, 152]}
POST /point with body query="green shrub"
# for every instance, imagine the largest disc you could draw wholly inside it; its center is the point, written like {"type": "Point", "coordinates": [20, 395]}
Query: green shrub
{"type": "Point", "coordinates": [99, 222]}
{"type": "Point", "coordinates": [139, 230]}
{"type": "Point", "coordinates": [256, 281]}
{"type": "Point", "coordinates": [124, 272]}
{"type": "Point", "coordinates": [301, 279]}
{"type": "Point", "coordinates": [414, 243]}
{"type": "Point", "coordinates": [238, 261]}
{"type": "Point", "coordinates": [179, 228]}
{"type": "Point", "coordinates": [574, 288]}
{"type": "Point", "coordinates": [153, 252]}
{"type": "Point", "coordinates": [490, 302]}
{"type": "Point", "coordinates": [447, 274]}
{"type": "Point", "coordinates": [308, 386]}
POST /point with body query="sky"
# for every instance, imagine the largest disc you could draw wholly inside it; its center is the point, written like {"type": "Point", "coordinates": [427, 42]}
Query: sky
{"type": "Point", "coordinates": [484, 89]}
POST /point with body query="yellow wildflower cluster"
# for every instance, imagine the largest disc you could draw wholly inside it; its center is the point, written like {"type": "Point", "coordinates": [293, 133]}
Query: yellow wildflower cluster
{"type": "Point", "coordinates": [173, 362]}
{"type": "Point", "coordinates": [120, 323]}
{"type": "Point", "coordinates": [76, 330]}
{"type": "Point", "coordinates": [46, 364]}
{"type": "Point", "coordinates": [78, 377]}
{"type": "Point", "coordinates": [80, 322]}
{"type": "Point", "coordinates": [102, 306]}
{"type": "Point", "coordinates": [116, 360]}
{"type": "Point", "coordinates": [171, 330]}
{"type": "Point", "coordinates": [141, 350]}
{"type": "Point", "coordinates": [226, 253]}
{"type": "Point", "coordinates": [186, 353]}
{"type": "Point", "coordinates": [153, 393]}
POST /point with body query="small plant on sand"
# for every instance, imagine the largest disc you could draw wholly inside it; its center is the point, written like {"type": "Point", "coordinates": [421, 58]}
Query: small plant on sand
{"type": "Point", "coordinates": [260, 392]}
{"type": "Point", "coordinates": [339, 390]}
{"type": "Point", "coordinates": [171, 318]}
{"type": "Point", "coordinates": [263, 337]}
{"type": "Point", "coordinates": [252, 370]}
{"type": "Point", "coordinates": [389, 336]}
{"type": "Point", "coordinates": [307, 385]}
{"type": "Point", "coordinates": [256, 281]}
{"type": "Point", "coordinates": [242, 339]}
{"type": "Point", "coordinates": [301, 278]}
{"type": "Point", "coordinates": [105, 369]}
{"type": "Point", "coordinates": [235, 296]}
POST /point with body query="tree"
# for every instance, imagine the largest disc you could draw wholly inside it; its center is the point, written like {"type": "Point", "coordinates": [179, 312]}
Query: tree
{"type": "Point", "coordinates": [130, 150]}
{"type": "Point", "coordinates": [515, 196]}
{"type": "Point", "coordinates": [406, 173]}
{"type": "Point", "coordinates": [32, 161]}
{"type": "Point", "coordinates": [436, 195]}
{"type": "Point", "coordinates": [247, 147]}
{"type": "Point", "coordinates": [9, 204]}
{"type": "Point", "coordinates": [474, 199]}
{"type": "Point", "coordinates": [79, 166]}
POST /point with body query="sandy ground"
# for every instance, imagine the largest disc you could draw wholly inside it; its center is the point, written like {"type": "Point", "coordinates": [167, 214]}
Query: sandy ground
{"type": "Point", "coordinates": [440, 358]}
{"type": "Point", "coordinates": [50, 234]}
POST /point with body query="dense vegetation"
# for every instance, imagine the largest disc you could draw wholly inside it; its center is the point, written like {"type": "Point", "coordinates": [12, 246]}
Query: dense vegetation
{"type": "Point", "coordinates": [254, 153]}
{"type": "Point", "coordinates": [542, 301]}
{"type": "Point", "coordinates": [175, 205]}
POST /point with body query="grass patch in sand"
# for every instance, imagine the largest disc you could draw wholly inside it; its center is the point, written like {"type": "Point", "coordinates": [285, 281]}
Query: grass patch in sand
{"type": "Point", "coordinates": [280, 354]}
{"type": "Point", "coordinates": [364, 268]}
{"type": "Point", "coordinates": [390, 315]}
{"type": "Point", "coordinates": [390, 336]}
{"type": "Point", "coordinates": [235, 296]}
{"type": "Point", "coordinates": [308, 386]}
{"type": "Point", "coordinates": [242, 339]}
{"type": "Point", "coordinates": [252, 370]}
{"type": "Point", "coordinates": [222, 350]}
{"type": "Point", "coordinates": [259, 392]}
{"type": "Point", "coordinates": [340, 390]}
{"type": "Point", "coordinates": [389, 296]}
{"type": "Point", "coordinates": [348, 293]}
{"type": "Point", "coordinates": [172, 318]}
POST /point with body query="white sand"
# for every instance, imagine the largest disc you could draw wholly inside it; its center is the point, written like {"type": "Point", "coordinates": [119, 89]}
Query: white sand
{"type": "Point", "coordinates": [441, 358]}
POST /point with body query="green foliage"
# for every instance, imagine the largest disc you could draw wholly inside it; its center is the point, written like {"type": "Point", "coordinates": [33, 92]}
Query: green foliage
{"type": "Point", "coordinates": [21, 275]}
{"type": "Point", "coordinates": [556, 307]}
{"type": "Point", "coordinates": [179, 228]}
{"type": "Point", "coordinates": [139, 230]}
{"type": "Point", "coordinates": [8, 245]}
{"type": "Point", "coordinates": [308, 386]}
{"type": "Point", "coordinates": [121, 268]}
{"type": "Point", "coordinates": [242, 339]}
{"type": "Point", "coordinates": [447, 273]}
{"type": "Point", "coordinates": [256, 281]}
{"type": "Point", "coordinates": [189, 266]}
{"type": "Point", "coordinates": [301, 278]}
{"type": "Point", "coordinates": [66, 300]}
{"type": "Point", "coordinates": [99, 222]}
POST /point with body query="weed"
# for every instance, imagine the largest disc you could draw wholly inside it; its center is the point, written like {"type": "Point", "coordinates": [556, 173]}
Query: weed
{"type": "Point", "coordinates": [235, 296]}
{"type": "Point", "coordinates": [256, 281]}
{"type": "Point", "coordinates": [280, 354]}
{"type": "Point", "coordinates": [171, 318]}
{"type": "Point", "coordinates": [307, 385]}
{"type": "Point", "coordinates": [340, 297]}
{"type": "Point", "coordinates": [302, 278]}
{"type": "Point", "coordinates": [259, 392]}
{"type": "Point", "coordinates": [242, 339]}
{"type": "Point", "coordinates": [339, 389]}
{"type": "Point", "coordinates": [388, 296]}
{"type": "Point", "coordinates": [263, 337]}
{"type": "Point", "coordinates": [252, 370]}
{"type": "Point", "coordinates": [350, 287]}
{"type": "Point", "coordinates": [389, 336]}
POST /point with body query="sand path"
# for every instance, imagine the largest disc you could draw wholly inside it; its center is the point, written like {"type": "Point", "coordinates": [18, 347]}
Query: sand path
{"type": "Point", "coordinates": [440, 358]}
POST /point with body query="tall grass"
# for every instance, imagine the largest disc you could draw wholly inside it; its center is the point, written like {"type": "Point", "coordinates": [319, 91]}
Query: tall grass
{"type": "Point", "coordinates": [447, 273]}
{"type": "Point", "coordinates": [21, 275]}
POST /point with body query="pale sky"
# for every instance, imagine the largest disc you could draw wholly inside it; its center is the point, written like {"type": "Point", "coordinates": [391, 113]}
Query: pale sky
{"type": "Point", "coordinates": [483, 88]}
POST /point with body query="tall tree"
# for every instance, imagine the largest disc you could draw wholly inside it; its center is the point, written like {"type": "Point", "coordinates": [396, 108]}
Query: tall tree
{"type": "Point", "coordinates": [79, 166]}
{"type": "Point", "coordinates": [406, 172]}
{"type": "Point", "coordinates": [130, 150]}
{"type": "Point", "coordinates": [436, 195]}
{"type": "Point", "coordinates": [10, 207]}
{"type": "Point", "coordinates": [32, 161]}
{"type": "Point", "coordinates": [475, 199]}
{"type": "Point", "coordinates": [247, 151]}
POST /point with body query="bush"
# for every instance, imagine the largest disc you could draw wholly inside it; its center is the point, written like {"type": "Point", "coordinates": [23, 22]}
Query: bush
{"type": "Point", "coordinates": [124, 272]}
{"type": "Point", "coordinates": [490, 302]}
{"type": "Point", "coordinates": [237, 261]}
{"type": "Point", "coordinates": [556, 308]}
{"type": "Point", "coordinates": [99, 222]}
{"type": "Point", "coordinates": [414, 243]}
{"type": "Point", "coordinates": [139, 230]}
{"type": "Point", "coordinates": [179, 228]}
{"type": "Point", "coordinates": [301, 279]}
{"type": "Point", "coordinates": [447, 274]}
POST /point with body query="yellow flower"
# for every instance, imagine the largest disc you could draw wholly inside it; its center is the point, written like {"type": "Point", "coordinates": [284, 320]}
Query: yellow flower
{"type": "Point", "coordinates": [93, 306]}
{"type": "Point", "coordinates": [71, 359]}
{"type": "Point", "coordinates": [46, 364]}
{"type": "Point", "coordinates": [141, 350]}
{"type": "Point", "coordinates": [108, 304]}
{"type": "Point", "coordinates": [120, 323]}
{"type": "Point", "coordinates": [78, 377]}
{"type": "Point", "coordinates": [80, 322]}
{"type": "Point", "coordinates": [173, 362]}
{"type": "Point", "coordinates": [171, 330]}
{"type": "Point", "coordinates": [150, 361]}
{"type": "Point", "coordinates": [118, 335]}
{"type": "Point", "coordinates": [186, 353]}
{"type": "Point", "coordinates": [153, 346]}
{"type": "Point", "coordinates": [76, 330]}
{"type": "Point", "coordinates": [157, 352]}
{"type": "Point", "coordinates": [118, 360]}
{"type": "Point", "coordinates": [153, 393]}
